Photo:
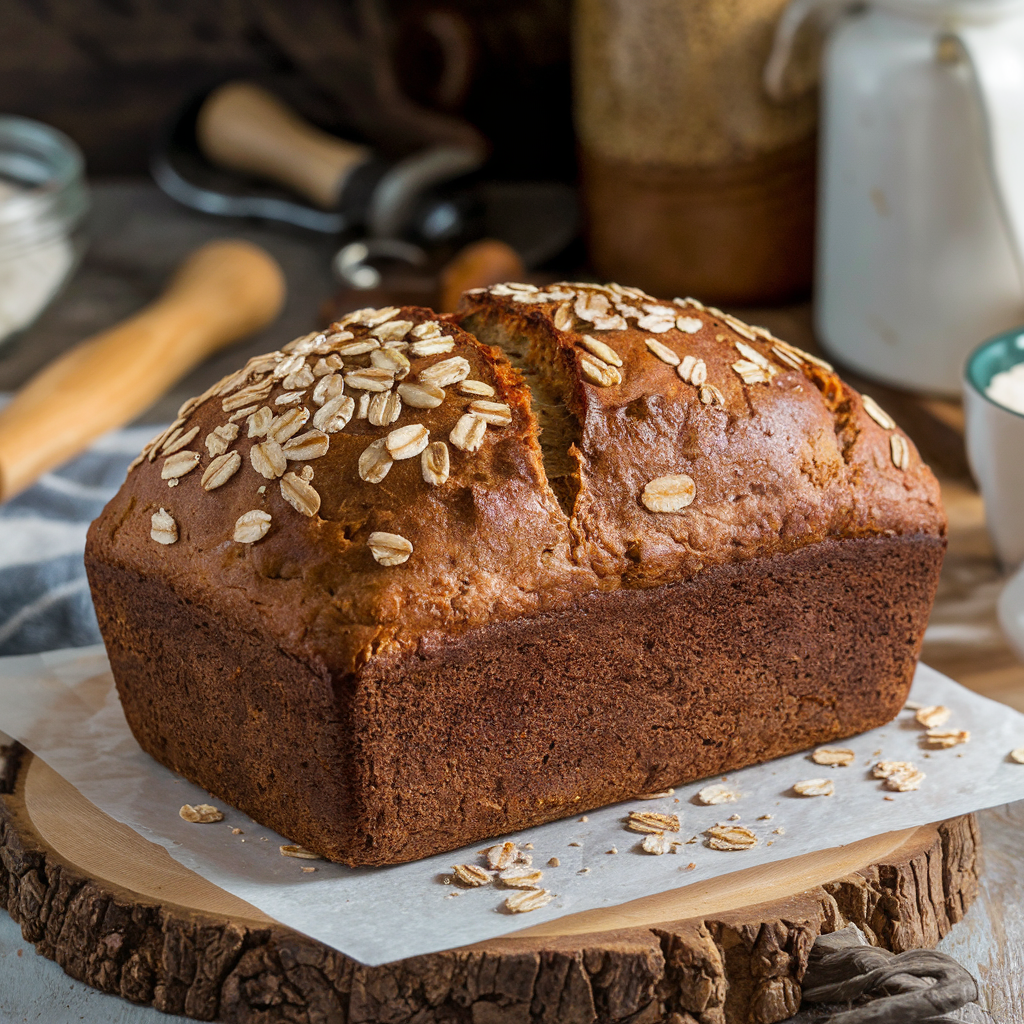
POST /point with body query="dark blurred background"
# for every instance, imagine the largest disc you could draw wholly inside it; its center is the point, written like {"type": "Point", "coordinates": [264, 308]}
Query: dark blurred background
{"type": "Point", "coordinates": [110, 73]}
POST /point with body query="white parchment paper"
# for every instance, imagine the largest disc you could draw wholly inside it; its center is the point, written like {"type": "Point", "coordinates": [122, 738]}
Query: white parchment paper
{"type": "Point", "coordinates": [63, 706]}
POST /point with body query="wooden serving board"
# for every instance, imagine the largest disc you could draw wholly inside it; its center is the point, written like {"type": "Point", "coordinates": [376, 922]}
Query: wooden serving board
{"type": "Point", "coordinates": [116, 912]}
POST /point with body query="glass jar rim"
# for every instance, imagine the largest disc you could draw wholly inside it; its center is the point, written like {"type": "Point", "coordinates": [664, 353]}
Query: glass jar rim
{"type": "Point", "coordinates": [48, 169]}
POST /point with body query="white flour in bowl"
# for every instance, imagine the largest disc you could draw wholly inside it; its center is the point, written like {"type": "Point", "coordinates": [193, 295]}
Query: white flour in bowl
{"type": "Point", "coordinates": [1007, 388]}
{"type": "Point", "coordinates": [33, 263]}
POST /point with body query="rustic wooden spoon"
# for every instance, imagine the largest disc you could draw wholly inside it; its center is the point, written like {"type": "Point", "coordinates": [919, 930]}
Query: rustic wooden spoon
{"type": "Point", "coordinates": [222, 292]}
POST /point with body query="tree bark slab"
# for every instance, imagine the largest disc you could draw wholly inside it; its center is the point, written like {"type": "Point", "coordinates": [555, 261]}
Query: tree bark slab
{"type": "Point", "coordinates": [210, 956]}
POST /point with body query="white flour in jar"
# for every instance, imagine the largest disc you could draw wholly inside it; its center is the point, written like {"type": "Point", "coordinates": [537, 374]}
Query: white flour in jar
{"type": "Point", "coordinates": [1007, 388]}
{"type": "Point", "coordinates": [33, 263]}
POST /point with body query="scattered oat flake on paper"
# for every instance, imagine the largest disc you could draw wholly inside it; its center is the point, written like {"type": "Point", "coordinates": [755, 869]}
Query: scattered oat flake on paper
{"type": "Point", "coordinates": [200, 814]}
{"type": "Point", "coordinates": [730, 837]}
{"type": "Point", "coordinates": [913, 705]}
{"type": "Point", "coordinates": [884, 769]}
{"type": "Point", "coordinates": [471, 875]}
{"type": "Point", "coordinates": [656, 796]}
{"type": "Point", "coordinates": [554, 862]}
{"type": "Point", "coordinates": [521, 878]}
{"type": "Point", "coordinates": [1017, 755]}
{"type": "Point", "coordinates": [719, 793]}
{"type": "Point", "coordinates": [833, 756]}
{"type": "Point", "coordinates": [651, 823]}
{"type": "Point", "coordinates": [905, 780]}
{"type": "Point", "coordinates": [814, 787]}
{"type": "Point", "coordinates": [658, 844]}
{"type": "Point", "coordinates": [293, 850]}
{"type": "Point", "coordinates": [945, 738]}
{"type": "Point", "coordinates": [502, 856]}
{"type": "Point", "coordinates": [933, 716]}
{"type": "Point", "coordinates": [529, 899]}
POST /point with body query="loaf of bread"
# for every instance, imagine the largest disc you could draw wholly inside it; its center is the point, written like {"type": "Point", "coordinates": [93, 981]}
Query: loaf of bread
{"type": "Point", "coordinates": [417, 580]}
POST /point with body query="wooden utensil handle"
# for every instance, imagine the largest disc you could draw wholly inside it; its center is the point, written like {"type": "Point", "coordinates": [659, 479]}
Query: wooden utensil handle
{"type": "Point", "coordinates": [245, 128]}
{"type": "Point", "coordinates": [222, 292]}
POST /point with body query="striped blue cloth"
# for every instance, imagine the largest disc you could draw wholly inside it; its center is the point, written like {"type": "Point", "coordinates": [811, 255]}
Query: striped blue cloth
{"type": "Point", "coordinates": [44, 595]}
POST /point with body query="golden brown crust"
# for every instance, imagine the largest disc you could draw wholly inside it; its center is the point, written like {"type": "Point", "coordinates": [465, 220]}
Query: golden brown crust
{"type": "Point", "coordinates": [776, 466]}
{"type": "Point", "coordinates": [490, 542]}
{"type": "Point", "coordinates": [788, 460]}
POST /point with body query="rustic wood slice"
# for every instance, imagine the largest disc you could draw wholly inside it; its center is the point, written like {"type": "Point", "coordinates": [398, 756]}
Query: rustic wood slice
{"type": "Point", "coordinates": [116, 912]}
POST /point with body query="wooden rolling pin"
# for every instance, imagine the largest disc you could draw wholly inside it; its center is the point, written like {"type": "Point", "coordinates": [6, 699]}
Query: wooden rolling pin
{"type": "Point", "coordinates": [222, 292]}
{"type": "Point", "coordinates": [246, 128]}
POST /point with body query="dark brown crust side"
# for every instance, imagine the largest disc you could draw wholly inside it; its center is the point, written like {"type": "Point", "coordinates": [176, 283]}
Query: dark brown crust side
{"type": "Point", "coordinates": [527, 721]}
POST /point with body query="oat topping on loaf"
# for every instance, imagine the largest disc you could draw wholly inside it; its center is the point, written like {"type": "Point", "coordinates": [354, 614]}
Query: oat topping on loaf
{"type": "Point", "coordinates": [251, 526]}
{"type": "Point", "coordinates": [774, 443]}
{"type": "Point", "coordinates": [334, 361]}
{"type": "Point", "coordinates": [656, 455]}
{"type": "Point", "coordinates": [163, 528]}
{"type": "Point", "coordinates": [900, 451]}
{"type": "Point", "coordinates": [669, 493]}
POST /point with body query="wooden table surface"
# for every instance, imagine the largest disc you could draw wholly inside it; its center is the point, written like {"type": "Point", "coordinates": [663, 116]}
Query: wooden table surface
{"type": "Point", "coordinates": [139, 236]}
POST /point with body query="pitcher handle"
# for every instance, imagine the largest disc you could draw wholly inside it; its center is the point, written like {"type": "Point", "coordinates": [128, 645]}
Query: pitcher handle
{"type": "Point", "coordinates": [788, 27]}
{"type": "Point", "coordinates": [995, 54]}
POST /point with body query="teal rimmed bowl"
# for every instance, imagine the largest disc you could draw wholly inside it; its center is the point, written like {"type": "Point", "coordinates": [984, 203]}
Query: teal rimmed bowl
{"type": "Point", "coordinates": [995, 444]}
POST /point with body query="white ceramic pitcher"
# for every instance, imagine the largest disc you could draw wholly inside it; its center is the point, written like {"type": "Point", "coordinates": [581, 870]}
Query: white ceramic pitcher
{"type": "Point", "coordinates": [921, 188]}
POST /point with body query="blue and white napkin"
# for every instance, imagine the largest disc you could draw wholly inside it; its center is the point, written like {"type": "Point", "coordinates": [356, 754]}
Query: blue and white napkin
{"type": "Point", "coordinates": [44, 595]}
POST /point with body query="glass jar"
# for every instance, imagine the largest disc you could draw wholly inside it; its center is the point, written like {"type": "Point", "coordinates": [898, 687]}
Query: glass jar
{"type": "Point", "coordinates": [43, 202]}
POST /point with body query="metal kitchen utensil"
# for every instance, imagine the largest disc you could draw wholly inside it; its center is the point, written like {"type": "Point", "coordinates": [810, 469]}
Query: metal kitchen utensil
{"type": "Point", "coordinates": [432, 199]}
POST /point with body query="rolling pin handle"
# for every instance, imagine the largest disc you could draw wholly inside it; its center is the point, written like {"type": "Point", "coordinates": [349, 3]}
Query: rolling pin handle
{"type": "Point", "coordinates": [245, 128]}
{"type": "Point", "coordinates": [222, 292]}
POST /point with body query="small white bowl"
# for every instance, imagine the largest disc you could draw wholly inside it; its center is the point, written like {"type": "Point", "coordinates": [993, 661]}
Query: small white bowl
{"type": "Point", "coordinates": [995, 445]}
{"type": "Point", "coordinates": [1011, 612]}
